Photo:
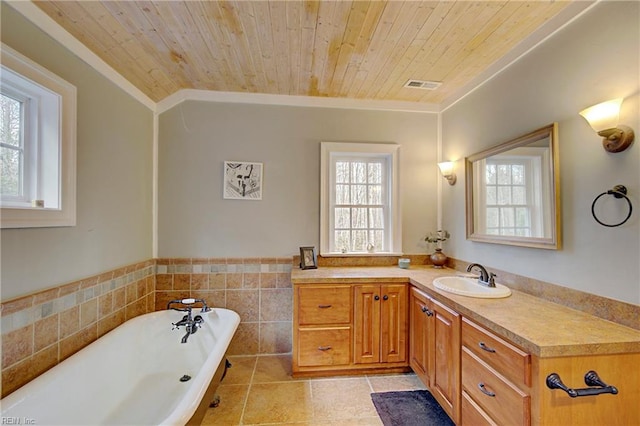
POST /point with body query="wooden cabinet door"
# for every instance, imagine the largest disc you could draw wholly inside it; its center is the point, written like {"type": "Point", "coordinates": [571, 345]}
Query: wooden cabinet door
{"type": "Point", "coordinates": [393, 323]}
{"type": "Point", "coordinates": [367, 324]}
{"type": "Point", "coordinates": [420, 341]}
{"type": "Point", "coordinates": [445, 380]}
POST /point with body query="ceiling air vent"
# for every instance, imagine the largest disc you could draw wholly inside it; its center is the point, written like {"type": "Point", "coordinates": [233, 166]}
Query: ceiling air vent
{"type": "Point", "coordinates": [422, 84]}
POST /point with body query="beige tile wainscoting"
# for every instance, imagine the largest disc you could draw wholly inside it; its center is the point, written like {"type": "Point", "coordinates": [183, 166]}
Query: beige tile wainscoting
{"type": "Point", "coordinates": [258, 289]}
{"type": "Point", "coordinates": [42, 329]}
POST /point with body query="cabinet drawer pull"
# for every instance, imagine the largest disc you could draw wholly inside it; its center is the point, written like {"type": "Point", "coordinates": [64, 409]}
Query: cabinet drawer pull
{"type": "Point", "coordinates": [376, 297]}
{"type": "Point", "coordinates": [385, 297]}
{"type": "Point", "coordinates": [486, 348]}
{"type": "Point", "coordinates": [324, 306]}
{"type": "Point", "coordinates": [484, 390]}
{"type": "Point", "coordinates": [324, 348]}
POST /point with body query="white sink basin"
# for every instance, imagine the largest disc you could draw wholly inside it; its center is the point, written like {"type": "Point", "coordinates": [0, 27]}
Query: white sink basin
{"type": "Point", "coordinates": [470, 287]}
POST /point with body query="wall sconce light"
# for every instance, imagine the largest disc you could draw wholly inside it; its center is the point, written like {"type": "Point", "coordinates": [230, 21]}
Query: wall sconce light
{"type": "Point", "coordinates": [603, 118]}
{"type": "Point", "coordinates": [446, 168]}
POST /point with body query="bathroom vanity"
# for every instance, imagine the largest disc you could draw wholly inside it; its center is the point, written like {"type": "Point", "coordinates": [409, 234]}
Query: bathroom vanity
{"type": "Point", "coordinates": [486, 361]}
{"type": "Point", "coordinates": [350, 328]}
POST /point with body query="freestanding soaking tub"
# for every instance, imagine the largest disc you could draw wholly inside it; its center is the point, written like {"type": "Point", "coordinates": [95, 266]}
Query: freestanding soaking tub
{"type": "Point", "coordinates": [138, 374]}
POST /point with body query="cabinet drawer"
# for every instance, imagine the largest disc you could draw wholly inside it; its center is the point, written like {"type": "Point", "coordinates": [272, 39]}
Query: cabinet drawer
{"type": "Point", "coordinates": [472, 414]}
{"type": "Point", "coordinates": [324, 305]}
{"type": "Point", "coordinates": [498, 397]}
{"type": "Point", "coordinates": [325, 346]}
{"type": "Point", "coordinates": [510, 361]}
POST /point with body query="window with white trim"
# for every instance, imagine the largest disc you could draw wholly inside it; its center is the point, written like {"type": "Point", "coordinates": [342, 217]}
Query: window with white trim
{"type": "Point", "coordinates": [359, 199]}
{"type": "Point", "coordinates": [37, 145]}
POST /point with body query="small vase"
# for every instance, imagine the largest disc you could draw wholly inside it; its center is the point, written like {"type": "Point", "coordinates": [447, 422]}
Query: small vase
{"type": "Point", "coordinates": [438, 258]}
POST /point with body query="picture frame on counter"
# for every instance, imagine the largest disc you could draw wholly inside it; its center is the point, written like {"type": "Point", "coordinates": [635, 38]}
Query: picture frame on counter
{"type": "Point", "coordinates": [308, 258]}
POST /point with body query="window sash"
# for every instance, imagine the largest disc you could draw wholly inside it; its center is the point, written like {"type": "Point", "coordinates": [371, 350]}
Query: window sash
{"type": "Point", "coordinates": [356, 185]}
{"type": "Point", "coordinates": [26, 159]}
{"type": "Point", "coordinates": [376, 199]}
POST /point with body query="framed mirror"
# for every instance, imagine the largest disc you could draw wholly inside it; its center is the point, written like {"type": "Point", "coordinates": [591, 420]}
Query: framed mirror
{"type": "Point", "coordinates": [513, 192]}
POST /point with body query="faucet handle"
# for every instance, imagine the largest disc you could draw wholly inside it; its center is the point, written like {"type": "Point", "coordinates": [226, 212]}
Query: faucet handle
{"type": "Point", "coordinates": [191, 301]}
{"type": "Point", "coordinates": [492, 277]}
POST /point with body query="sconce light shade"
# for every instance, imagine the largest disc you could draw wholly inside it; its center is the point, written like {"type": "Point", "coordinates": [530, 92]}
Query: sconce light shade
{"type": "Point", "coordinates": [446, 168]}
{"type": "Point", "coordinates": [603, 118]}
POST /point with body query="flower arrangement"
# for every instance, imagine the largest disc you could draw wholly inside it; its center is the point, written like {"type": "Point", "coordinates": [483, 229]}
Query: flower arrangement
{"type": "Point", "coordinates": [438, 237]}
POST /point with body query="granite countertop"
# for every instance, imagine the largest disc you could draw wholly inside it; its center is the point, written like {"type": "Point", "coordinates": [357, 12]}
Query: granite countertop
{"type": "Point", "coordinates": [542, 328]}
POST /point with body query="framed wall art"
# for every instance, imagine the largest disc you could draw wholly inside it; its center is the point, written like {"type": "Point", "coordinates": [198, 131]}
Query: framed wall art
{"type": "Point", "coordinates": [242, 180]}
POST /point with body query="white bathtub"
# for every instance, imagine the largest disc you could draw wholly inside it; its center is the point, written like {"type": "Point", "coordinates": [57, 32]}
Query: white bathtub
{"type": "Point", "coordinates": [130, 376]}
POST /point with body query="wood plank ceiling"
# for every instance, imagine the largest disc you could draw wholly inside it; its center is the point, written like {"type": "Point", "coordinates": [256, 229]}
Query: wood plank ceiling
{"type": "Point", "coordinates": [350, 49]}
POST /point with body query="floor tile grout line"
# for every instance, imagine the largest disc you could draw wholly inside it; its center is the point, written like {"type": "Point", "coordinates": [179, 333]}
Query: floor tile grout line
{"type": "Point", "coordinates": [246, 397]}
{"type": "Point", "coordinates": [370, 384]}
{"type": "Point", "coordinates": [313, 407]}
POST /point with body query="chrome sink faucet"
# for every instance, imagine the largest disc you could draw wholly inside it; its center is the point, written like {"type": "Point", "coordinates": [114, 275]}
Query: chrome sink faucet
{"type": "Point", "coordinates": [485, 278]}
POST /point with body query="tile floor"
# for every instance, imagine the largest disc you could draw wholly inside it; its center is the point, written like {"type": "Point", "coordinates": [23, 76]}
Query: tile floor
{"type": "Point", "coordinates": [260, 390]}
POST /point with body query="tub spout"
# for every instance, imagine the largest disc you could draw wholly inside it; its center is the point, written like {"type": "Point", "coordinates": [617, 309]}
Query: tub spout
{"type": "Point", "coordinates": [192, 327]}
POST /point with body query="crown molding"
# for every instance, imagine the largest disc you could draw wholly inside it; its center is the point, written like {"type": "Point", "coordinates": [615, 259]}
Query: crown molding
{"type": "Point", "coordinates": [41, 20]}
{"type": "Point", "coordinates": [291, 100]}
{"type": "Point", "coordinates": [556, 24]}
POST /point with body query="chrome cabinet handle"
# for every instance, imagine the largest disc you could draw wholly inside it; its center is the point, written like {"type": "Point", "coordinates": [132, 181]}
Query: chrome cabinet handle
{"type": "Point", "coordinates": [324, 306]}
{"type": "Point", "coordinates": [486, 348]}
{"type": "Point", "coordinates": [484, 390]}
{"type": "Point", "coordinates": [324, 348]}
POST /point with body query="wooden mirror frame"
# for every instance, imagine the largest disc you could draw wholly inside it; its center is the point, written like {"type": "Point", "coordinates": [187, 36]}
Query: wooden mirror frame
{"type": "Point", "coordinates": [553, 242]}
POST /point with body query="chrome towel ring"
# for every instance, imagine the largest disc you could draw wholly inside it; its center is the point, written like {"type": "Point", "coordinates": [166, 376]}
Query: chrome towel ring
{"type": "Point", "coordinates": [618, 191]}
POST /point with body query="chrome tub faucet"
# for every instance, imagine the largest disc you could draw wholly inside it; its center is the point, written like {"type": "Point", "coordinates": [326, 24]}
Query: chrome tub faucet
{"type": "Point", "coordinates": [191, 324]}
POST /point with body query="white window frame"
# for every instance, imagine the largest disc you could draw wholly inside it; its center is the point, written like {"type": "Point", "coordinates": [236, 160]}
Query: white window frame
{"type": "Point", "coordinates": [52, 140]}
{"type": "Point", "coordinates": [393, 225]}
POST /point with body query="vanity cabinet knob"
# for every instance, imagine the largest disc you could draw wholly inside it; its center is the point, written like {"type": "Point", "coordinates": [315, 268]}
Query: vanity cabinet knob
{"type": "Point", "coordinates": [385, 297]}
{"type": "Point", "coordinates": [376, 297]}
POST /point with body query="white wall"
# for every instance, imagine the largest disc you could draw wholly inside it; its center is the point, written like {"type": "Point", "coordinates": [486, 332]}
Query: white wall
{"type": "Point", "coordinates": [197, 137]}
{"type": "Point", "coordinates": [594, 59]}
{"type": "Point", "coordinates": [114, 178]}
